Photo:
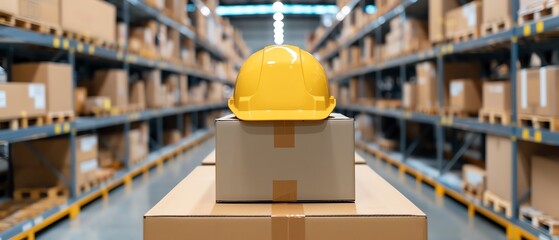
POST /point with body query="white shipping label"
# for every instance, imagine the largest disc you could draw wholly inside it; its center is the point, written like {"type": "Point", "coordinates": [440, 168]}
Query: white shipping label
{"type": "Point", "coordinates": [523, 88]}
{"type": "Point", "coordinates": [88, 143]}
{"type": "Point", "coordinates": [474, 178]}
{"type": "Point", "coordinates": [37, 92]}
{"type": "Point", "coordinates": [456, 88]}
{"type": "Point", "coordinates": [3, 99]}
{"type": "Point", "coordinates": [496, 89]}
{"type": "Point", "coordinates": [89, 165]}
{"type": "Point", "coordinates": [543, 87]}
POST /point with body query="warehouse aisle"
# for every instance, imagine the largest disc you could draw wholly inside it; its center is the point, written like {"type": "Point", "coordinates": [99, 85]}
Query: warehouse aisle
{"type": "Point", "coordinates": [121, 216]}
{"type": "Point", "coordinates": [446, 219]}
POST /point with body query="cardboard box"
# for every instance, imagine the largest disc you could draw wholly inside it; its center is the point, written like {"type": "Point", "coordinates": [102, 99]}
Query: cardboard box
{"type": "Point", "coordinates": [97, 104]}
{"type": "Point", "coordinates": [496, 96]}
{"type": "Point", "coordinates": [462, 20]}
{"type": "Point", "coordinates": [10, 6]}
{"type": "Point", "coordinates": [112, 83]}
{"type": "Point", "coordinates": [139, 143]}
{"type": "Point", "coordinates": [80, 96]}
{"type": "Point", "coordinates": [437, 12]}
{"type": "Point", "coordinates": [173, 89]}
{"type": "Point", "coordinates": [58, 80]}
{"type": "Point", "coordinates": [257, 160]}
{"type": "Point", "coordinates": [30, 172]}
{"type": "Point", "coordinates": [364, 127]}
{"type": "Point", "coordinates": [19, 100]}
{"type": "Point", "coordinates": [361, 93]}
{"type": "Point", "coordinates": [409, 97]}
{"type": "Point", "coordinates": [171, 136]}
{"type": "Point", "coordinates": [183, 82]}
{"type": "Point", "coordinates": [138, 94]}
{"type": "Point", "coordinates": [537, 91]}
{"type": "Point", "coordinates": [42, 11]}
{"type": "Point", "coordinates": [465, 95]}
{"type": "Point", "coordinates": [498, 157]}
{"type": "Point", "coordinates": [91, 18]}
{"type": "Point", "coordinates": [190, 211]}
{"type": "Point", "coordinates": [114, 144]}
{"type": "Point", "coordinates": [544, 184]}
{"type": "Point", "coordinates": [210, 159]}
{"type": "Point", "coordinates": [154, 89]}
{"type": "Point", "coordinates": [525, 5]}
{"type": "Point", "coordinates": [496, 11]}
{"type": "Point", "coordinates": [474, 180]}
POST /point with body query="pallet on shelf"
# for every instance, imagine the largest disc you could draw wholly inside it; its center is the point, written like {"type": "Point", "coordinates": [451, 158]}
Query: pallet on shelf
{"type": "Point", "coordinates": [29, 210]}
{"type": "Point", "coordinates": [427, 110]}
{"type": "Point", "coordinates": [23, 122]}
{"type": "Point", "coordinates": [389, 103]}
{"type": "Point", "coordinates": [539, 122]}
{"type": "Point", "coordinates": [452, 112]}
{"type": "Point", "coordinates": [488, 28]}
{"type": "Point", "coordinates": [498, 204]}
{"type": "Point", "coordinates": [89, 39]}
{"type": "Point", "coordinates": [472, 191]}
{"type": "Point", "coordinates": [11, 20]}
{"type": "Point", "coordinates": [465, 35]}
{"type": "Point", "coordinates": [38, 193]}
{"type": "Point", "coordinates": [538, 11]}
{"type": "Point", "coordinates": [494, 117]}
{"type": "Point", "coordinates": [538, 219]}
{"type": "Point", "coordinates": [99, 177]}
{"type": "Point", "coordinates": [387, 144]}
{"type": "Point", "coordinates": [60, 117]}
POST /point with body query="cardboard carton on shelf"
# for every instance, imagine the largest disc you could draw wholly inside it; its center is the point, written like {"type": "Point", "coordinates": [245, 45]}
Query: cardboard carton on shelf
{"type": "Point", "coordinates": [80, 97]}
{"type": "Point", "coordinates": [29, 171]}
{"type": "Point", "coordinates": [409, 97]}
{"type": "Point", "coordinates": [474, 181]}
{"type": "Point", "coordinates": [537, 90]}
{"type": "Point", "coordinates": [112, 83]}
{"type": "Point", "coordinates": [496, 96]}
{"type": "Point", "coordinates": [155, 92]}
{"type": "Point", "coordinates": [265, 158]}
{"type": "Point", "coordinates": [465, 95]}
{"type": "Point", "coordinates": [463, 22]}
{"type": "Point", "coordinates": [90, 18]}
{"type": "Point", "coordinates": [97, 105]}
{"type": "Point", "coordinates": [361, 93]}
{"type": "Point", "coordinates": [44, 11]}
{"type": "Point", "coordinates": [172, 136]}
{"type": "Point", "coordinates": [10, 6]}
{"type": "Point", "coordinates": [18, 98]}
{"type": "Point", "coordinates": [197, 93]}
{"type": "Point", "coordinates": [113, 144]}
{"type": "Point", "coordinates": [190, 210]}
{"type": "Point", "coordinates": [138, 94]}
{"type": "Point", "coordinates": [364, 127]}
{"type": "Point", "coordinates": [544, 179]}
{"type": "Point", "coordinates": [437, 12]}
{"type": "Point", "coordinates": [496, 12]}
{"type": "Point", "coordinates": [58, 81]}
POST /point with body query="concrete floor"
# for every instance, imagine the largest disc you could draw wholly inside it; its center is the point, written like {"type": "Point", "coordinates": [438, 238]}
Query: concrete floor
{"type": "Point", "coordinates": [121, 216]}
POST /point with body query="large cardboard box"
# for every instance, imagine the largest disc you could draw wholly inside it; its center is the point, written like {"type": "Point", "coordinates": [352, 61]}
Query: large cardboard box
{"type": "Point", "coordinates": [361, 93]}
{"type": "Point", "coordinates": [43, 11]}
{"type": "Point", "coordinates": [464, 19]}
{"type": "Point", "coordinates": [114, 144]}
{"type": "Point", "coordinates": [409, 97]}
{"type": "Point", "coordinates": [364, 127]}
{"type": "Point", "coordinates": [138, 94]}
{"type": "Point", "coordinates": [19, 100]}
{"type": "Point", "coordinates": [258, 161]}
{"type": "Point", "coordinates": [437, 11]}
{"type": "Point", "coordinates": [496, 96]}
{"type": "Point", "coordinates": [498, 157]}
{"type": "Point", "coordinates": [537, 91]}
{"type": "Point", "coordinates": [112, 83]}
{"type": "Point", "coordinates": [58, 80]}
{"type": "Point", "coordinates": [474, 180]}
{"type": "Point", "coordinates": [30, 172]}
{"type": "Point", "coordinates": [544, 184]}
{"type": "Point", "coordinates": [210, 159]}
{"type": "Point", "coordinates": [155, 93]}
{"type": "Point", "coordinates": [465, 95]}
{"type": "Point", "coordinates": [91, 18]}
{"type": "Point", "coordinates": [190, 211]}
{"type": "Point", "coordinates": [183, 82]}
{"type": "Point", "coordinates": [496, 11]}
{"type": "Point", "coordinates": [9, 6]}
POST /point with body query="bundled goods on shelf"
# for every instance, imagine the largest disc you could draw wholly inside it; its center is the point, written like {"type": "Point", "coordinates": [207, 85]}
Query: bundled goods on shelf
{"type": "Point", "coordinates": [29, 166]}
{"type": "Point", "coordinates": [362, 94]}
{"type": "Point", "coordinates": [405, 36]}
{"type": "Point", "coordinates": [344, 60]}
{"type": "Point", "coordinates": [57, 78]}
{"type": "Point", "coordinates": [156, 95]}
{"type": "Point", "coordinates": [473, 181]}
{"type": "Point", "coordinates": [112, 148]}
{"type": "Point", "coordinates": [465, 96]}
{"type": "Point", "coordinates": [384, 6]}
{"type": "Point", "coordinates": [141, 38]}
{"type": "Point", "coordinates": [171, 90]}
{"type": "Point", "coordinates": [168, 43]}
{"type": "Point", "coordinates": [370, 51]}
{"type": "Point", "coordinates": [387, 144]}
{"type": "Point", "coordinates": [409, 95]}
{"type": "Point", "coordinates": [463, 23]}
{"type": "Point", "coordinates": [216, 92]}
{"type": "Point", "coordinates": [187, 125]}
{"type": "Point", "coordinates": [530, 10]}
{"type": "Point", "coordinates": [111, 83]}
{"type": "Point", "coordinates": [364, 127]}
{"type": "Point", "coordinates": [349, 27]}
{"type": "Point", "coordinates": [437, 12]}
{"type": "Point", "coordinates": [122, 35]}
{"type": "Point", "coordinates": [22, 103]}
{"type": "Point", "coordinates": [537, 97]}
{"type": "Point", "coordinates": [496, 102]}
{"type": "Point", "coordinates": [334, 90]}
{"type": "Point", "coordinates": [171, 136]}
{"type": "Point", "coordinates": [496, 16]}
{"type": "Point", "coordinates": [44, 12]}
{"type": "Point", "coordinates": [183, 82]}
{"type": "Point", "coordinates": [344, 95]}
{"type": "Point", "coordinates": [89, 19]}
{"type": "Point", "coordinates": [544, 180]}
{"type": "Point", "coordinates": [427, 82]}
{"type": "Point", "coordinates": [204, 61]}
{"type": "Point", "coordinates": [355, 58]}
{"type": "Point", "coordinates": [137, 95]}
{"type": "Point", "coordinates": [197, 93]}
{"type": "Point", "coordinates": [188, 52]}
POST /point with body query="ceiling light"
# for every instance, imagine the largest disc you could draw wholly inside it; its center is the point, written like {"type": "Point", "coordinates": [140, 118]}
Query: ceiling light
{"type": "Point", "coordinates": [278, 30]}
{"type": "Point", "coordinates": [278, 24]}
{"type": "Point", "coordinates": [205, 11]}
{"type": "Point", "coordinates": [277, 6]}
{"type": "Point", "coordinates": [278, 16]}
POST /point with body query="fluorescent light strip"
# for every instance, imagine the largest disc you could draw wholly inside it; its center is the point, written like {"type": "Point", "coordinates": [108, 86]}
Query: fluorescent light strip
{"type": "Point", "coordinates": [261, 9]}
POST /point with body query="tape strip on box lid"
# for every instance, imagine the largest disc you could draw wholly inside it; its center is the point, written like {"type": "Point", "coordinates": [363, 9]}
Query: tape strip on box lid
{"type": "Point", "coordinates": [284, 190]}
{"type": "Point", "coordinates": [284, 134]}
{"type": "Point", "coordinates": [523, 88]}
{"type": "Point", "coordinates": [288, 221]}
{"type": "Point", "coordinates": [543, 87]}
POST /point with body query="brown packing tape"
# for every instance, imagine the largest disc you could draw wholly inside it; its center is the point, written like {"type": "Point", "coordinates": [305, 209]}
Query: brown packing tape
{"type": "Point", "coordinates": [288, 221]}
{"type": "Point", "coordinates": [284, 190]}
{"type": "Point", "coordinates": [284, 134]}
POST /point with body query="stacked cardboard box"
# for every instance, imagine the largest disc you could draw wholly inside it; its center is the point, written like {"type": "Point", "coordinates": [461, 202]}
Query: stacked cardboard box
{"type": "Point", "coordinates": [215, 92]}
{"type": "Point", "coordinates": [155, 92]}
{"type": "Point", "coordinates": [474, 181]}
{"type": "Point", "coordinates": [409, 95]}
{"type": "Point", "coordinates": [364, 127]}
{"type": "Point", "coordinates": [22, 100]}
{"type": "Point", "coordinates": [30, 171]}
{"type": "Point", "coordinates": [45, 11]}
{"type": "Point", "coordinates": [197, 93]}
{"type": "Point", "coordinates": [138, 95]}
{"type": "Point", "coordinates": [463, 22]}
{"type": "Point", "coordinates": [113, 148]}
{"type": "Point", "coordinates": [57, 78]}
{"type": "Point", "coordinates": [111, 83]}
{"type": "Point", "coordinates": [537, 91]}
{"type": "Point", "coordinates": [369, 50]}
{"type": "Point", "coordinates": [544, 184]}
{"type": "Point", "coordinates": [496, 13]}
{"type": "Point", "coordinates": [437, 12]}
{"type": "Point", "coordinates": [91, 18]}
{"type": "Point", "coordinates": [363, 94]}
{"type": "Point", "coordinates": [496, 97]}
{"type": "Point", "coordinates": [405, 36]}
{"type": "Point", "coordinates": [465, 95]}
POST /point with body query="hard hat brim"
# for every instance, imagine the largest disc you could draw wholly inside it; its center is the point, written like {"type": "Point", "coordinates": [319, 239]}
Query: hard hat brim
{"type": "Point", "coordinates": [281, 115]}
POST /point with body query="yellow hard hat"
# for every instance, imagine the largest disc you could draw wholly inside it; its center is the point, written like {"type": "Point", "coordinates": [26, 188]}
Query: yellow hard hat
{"type": "Point", "coordinates": [281, 82]}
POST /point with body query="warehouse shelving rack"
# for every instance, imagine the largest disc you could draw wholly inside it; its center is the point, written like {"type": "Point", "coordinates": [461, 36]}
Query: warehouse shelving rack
{"type": "Point", "coordinates": [13, 39]}
{"type": "Point", "coordinates": [510, 40]}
